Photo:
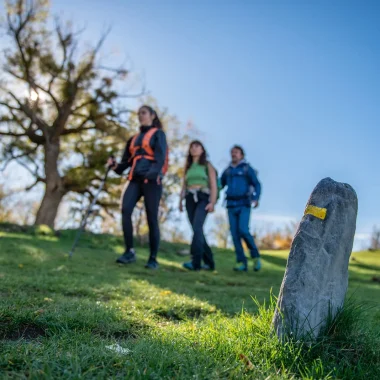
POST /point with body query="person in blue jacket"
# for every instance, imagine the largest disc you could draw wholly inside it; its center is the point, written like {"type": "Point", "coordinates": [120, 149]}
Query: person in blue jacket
{"type": "Point", "coordinates": [243, 192]}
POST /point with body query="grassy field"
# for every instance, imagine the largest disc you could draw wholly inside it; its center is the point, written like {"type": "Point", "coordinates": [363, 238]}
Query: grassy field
{"type": "Point", "coordinates": [62, 318]}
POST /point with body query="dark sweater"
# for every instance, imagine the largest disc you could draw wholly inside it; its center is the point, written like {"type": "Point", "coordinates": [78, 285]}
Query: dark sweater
{"type": "Point", "coordinates": [146, 169]}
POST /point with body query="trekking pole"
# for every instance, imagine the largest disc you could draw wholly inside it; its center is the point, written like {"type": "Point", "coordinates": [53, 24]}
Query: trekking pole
{"type": "Point", "coordinates": [88, 212]}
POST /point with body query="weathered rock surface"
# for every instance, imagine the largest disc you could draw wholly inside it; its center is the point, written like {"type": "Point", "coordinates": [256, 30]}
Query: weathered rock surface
{"type": "Point", "coordinates": [316, 275]}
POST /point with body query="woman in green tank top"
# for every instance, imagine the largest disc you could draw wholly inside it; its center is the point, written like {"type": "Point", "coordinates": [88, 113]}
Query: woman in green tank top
{"type": "Point", "coordinates": [199, 189]}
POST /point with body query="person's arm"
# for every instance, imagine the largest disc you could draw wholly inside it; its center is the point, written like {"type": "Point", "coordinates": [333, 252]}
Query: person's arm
{"type": "Point", "coordinates": [183, 191]}
{"type": "Point", "coordinates": [125, 160]}
{"type": "Point", "coordinates": [213, 187]}
{"type": "Point", "coordinates": [183, 187]}
{"type": "Point", "coordinates": [159, 147]}
{"type": "Point", "coordinates": [252, 178]}
{"type": "Point", "coordinates": [223, 179]}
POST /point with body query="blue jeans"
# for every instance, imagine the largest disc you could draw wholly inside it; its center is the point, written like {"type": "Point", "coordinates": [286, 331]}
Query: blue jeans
{"type": "Point", "coordinates": [239, 226]}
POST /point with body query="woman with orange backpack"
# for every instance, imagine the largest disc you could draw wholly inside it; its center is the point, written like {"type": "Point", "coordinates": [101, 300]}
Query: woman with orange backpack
{"type": "Point", "coordinates": [146, 154]}
{"type": "Point", "coordinates": [199, 189]}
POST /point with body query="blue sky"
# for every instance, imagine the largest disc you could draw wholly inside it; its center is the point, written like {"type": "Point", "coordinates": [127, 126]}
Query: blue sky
{"type": "Point", "coordinates": [295, 82]}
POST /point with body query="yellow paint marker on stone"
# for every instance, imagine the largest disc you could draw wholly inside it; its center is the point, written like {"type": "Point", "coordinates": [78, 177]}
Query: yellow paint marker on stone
{"type": "Point", "coordinates": [318, 212]}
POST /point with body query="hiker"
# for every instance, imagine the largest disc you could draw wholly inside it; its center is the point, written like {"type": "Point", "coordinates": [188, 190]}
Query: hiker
{"type": "Point", "coordinates": [146, 154]}
{"type": "Point", "coordinates": [199, 189]}
{"type": "Point", "coordinates": [243, 192]}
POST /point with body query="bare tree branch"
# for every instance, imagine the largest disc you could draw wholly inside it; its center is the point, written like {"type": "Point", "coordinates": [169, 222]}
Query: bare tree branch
{"type": "Point", "coordinates": [30, 113]}
{"type": "Point", "coordinates": [77, 130]}
{"type": "Point", "coordinates": [34, 174]}
{"type": "Point", "coordinates": [63, 42]}
{"type": "Point", "coordinates": [38, 180]}
{"type": "Point", "coordinates": [27, 155]}
{"type": "Point", "coordinates": [93, 55]}
{"type": "Point", "coordinates": [35, 86]}
{"type": "Point", "coordinates": [7, 162]}
{"type": "Point", "coordinates": [17, 32]}
{"type": "Point", "coordinates": [86, 103]}
{"type": "Point", "coordinates": [28, 62]}
{"type": "Point", "coordinates": [9, 106]}
{"type": "Point", "coordinates": [12, 134]}
{"type": "Point", "coordinates": [28, 131]}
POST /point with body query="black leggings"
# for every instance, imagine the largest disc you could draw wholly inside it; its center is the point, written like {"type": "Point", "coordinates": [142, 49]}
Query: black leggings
{"type": "Point", "coordinates": [151, 192]}
{"type": "Point", "coordinates": [197, 214]}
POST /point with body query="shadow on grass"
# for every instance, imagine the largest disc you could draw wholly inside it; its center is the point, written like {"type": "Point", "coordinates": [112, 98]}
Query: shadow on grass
{"type": "Point", "coordinates": [26, 331]}
{"type": "Point", "coordinates": [94, 275]}
{"type": "Point", "coordinates": [95, 303]}
{"type": "Point", "coordinates": [41, 347]}
{"type": "Point", "coordinates": [92, 272]}
{"type": "Point", "coordinates": [278, 261]}
{"type": "Point", "coordinates": [357, 264]}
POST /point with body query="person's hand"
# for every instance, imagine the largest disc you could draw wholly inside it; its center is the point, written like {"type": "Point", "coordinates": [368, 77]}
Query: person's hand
{"type": "Point", "coordinates": [210, 208]}
{"type": "Point", "coordinates": [255, 204]}
{"type": "Point", "coordinates": [112, 163]}
{"type": "Point", "coordinates": [180, 206]}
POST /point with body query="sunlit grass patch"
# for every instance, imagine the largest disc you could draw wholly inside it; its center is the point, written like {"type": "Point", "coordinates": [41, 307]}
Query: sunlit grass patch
{"type": "Point", "coordinates": [59, 317]}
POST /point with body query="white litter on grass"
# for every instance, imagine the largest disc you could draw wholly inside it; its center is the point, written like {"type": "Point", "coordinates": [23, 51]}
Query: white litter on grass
{"type": "Point", "coordinates": [59, 268]}
{"type": "Point", "coordinates": [117, 348]}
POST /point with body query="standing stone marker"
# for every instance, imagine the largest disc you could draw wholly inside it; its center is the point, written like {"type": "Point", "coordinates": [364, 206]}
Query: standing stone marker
{"type": "Point", "coordinates": [316, 275]}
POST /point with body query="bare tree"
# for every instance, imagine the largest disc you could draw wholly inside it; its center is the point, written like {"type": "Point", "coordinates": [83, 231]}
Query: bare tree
{"type": "Point", "coordinates": [60, 108]}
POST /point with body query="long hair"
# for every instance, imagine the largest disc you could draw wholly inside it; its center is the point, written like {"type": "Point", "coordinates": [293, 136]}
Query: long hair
{"type": "Point", "coordinates": [156, 121]}
{"type": "Point", "coordinates": [202, 159]}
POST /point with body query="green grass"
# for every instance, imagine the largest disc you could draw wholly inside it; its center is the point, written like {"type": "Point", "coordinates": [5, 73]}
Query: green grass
{"type": "Point", "coordinates": [58, 316]}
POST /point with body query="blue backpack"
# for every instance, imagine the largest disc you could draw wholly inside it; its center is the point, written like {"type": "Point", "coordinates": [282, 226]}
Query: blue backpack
{"type": "Point", "coordinates": [245, 170]}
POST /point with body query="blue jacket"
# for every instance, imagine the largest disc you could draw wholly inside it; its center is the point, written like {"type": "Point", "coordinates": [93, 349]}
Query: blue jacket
{"type": "Point", "coordinates": [243, 187]}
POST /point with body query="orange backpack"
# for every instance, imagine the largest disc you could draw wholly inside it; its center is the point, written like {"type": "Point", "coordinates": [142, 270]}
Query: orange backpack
{"type": "Point", "coordinates": [148, 151]}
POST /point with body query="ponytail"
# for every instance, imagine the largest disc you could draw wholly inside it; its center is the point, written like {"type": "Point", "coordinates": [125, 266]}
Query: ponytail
{"type": "Point", "coordinates": [157, 123]}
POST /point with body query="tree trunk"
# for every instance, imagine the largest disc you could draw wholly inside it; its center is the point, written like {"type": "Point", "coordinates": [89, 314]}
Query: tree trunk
{"type": "Point", "coordinates": [54, 190]}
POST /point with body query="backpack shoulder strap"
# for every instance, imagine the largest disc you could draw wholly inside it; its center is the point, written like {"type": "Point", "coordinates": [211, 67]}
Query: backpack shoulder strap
{"type": "Point", "coordinates": [146, 141]}
{"type": "Point", "coordinates": [132, 146]}
{"type": "Point", "coordinates": [246, 169]}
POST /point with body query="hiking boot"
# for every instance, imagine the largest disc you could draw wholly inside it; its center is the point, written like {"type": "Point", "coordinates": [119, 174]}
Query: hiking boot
{"type": "Point", "coordinates": [128, 257]}
{"type": "Point", "coordinates": [152, 264]}
{"type": "Point", "coordinates": [189, 266]}
{"type": "Point", "coordinates": [241, 268]}
{"type": "Point", "coordinates": [257, 265]}
{"type": "Point", "coordinates": [207, 267]}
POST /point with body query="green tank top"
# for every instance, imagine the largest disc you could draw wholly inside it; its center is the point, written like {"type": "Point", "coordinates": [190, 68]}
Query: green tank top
{"type": "Point", "coordinates": [197, 176]}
